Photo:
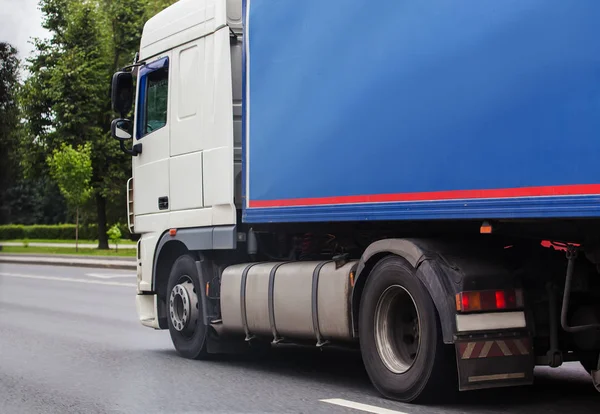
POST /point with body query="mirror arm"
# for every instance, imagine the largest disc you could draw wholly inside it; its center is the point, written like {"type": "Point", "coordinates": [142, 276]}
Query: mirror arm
{"type": "Point", "coordinates": [134, 151]}
{"type": "Point", "coordinates": [135, 65]}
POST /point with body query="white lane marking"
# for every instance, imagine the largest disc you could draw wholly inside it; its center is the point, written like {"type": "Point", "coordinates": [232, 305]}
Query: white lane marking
{"type": "Point", "coordinates": [109, 276]}
{"type": "Point", "coordinates": [64, 279]}
{"type": "Point", "coordinates": [361, 407]}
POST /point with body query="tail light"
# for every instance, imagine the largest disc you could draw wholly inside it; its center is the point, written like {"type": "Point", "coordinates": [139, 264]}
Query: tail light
{"type": "Point", "coordinates": [489, 300]}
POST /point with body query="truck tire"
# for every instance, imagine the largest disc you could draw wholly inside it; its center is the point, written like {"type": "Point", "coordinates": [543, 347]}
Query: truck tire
{"type": "Point", "coordinates": [184, 309]}
{"type": "Point", "coordinates": [590, 363]}
{"type": "Point", "coordinates": [401, 337]}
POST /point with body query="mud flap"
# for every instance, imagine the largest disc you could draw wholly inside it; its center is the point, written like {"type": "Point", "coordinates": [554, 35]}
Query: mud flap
{"type": "Point", "coordinates": [491, 362]}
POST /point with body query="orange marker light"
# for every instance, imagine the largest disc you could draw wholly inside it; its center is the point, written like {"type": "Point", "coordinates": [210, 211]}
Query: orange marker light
{"type": "Point", "coordinates": [475, 298]}
{"type": "Point", "coordinates": [207, 288]}
{"type": "Point", "coordinates": [486, 228]}
{"type": "Point", "coordinates": [352, 279]}
{"type": "Point", "coordinates": [172, 232]}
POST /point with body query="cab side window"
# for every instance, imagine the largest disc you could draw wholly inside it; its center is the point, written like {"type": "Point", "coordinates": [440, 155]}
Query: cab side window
{"type": "Point", "coordinates": [154, 97]}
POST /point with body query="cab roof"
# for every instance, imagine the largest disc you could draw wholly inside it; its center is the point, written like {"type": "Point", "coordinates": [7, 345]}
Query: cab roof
{"type": "Point", "coordinates": [186, 21]}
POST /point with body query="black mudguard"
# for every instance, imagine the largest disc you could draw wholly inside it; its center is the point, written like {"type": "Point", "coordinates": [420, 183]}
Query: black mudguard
{"type": "Point", "coordinates": [445, 267]}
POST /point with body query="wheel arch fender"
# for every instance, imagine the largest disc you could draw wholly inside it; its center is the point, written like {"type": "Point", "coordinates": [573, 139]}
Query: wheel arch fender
{"type": "Point", "coordinates": [433, 271]}
{"type": "Point", "coordinates": [165, 255]}
{"type": "Point", "coordinates": [171, 245]}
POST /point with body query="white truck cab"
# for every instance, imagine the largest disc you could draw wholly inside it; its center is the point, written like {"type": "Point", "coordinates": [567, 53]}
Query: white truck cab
{"type": "Point", "coordinates": [187, 127]}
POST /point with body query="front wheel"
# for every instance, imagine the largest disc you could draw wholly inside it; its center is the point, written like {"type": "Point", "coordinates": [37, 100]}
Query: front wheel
{"type": "Point", "coordinates": [400, 335]}
{"type": "Point", "coordinates": [184, 309]}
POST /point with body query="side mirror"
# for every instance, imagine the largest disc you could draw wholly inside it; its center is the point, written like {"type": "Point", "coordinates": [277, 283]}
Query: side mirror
{"type": "Point", "coordinates": [122, 92]}
{"type": "Point", "coordinates": [121, 129]}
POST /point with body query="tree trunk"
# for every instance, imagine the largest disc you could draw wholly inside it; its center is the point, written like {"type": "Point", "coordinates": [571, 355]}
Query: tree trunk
{"type": "Point", "coordinates": [101, 221]}
{"type": "Point", "coordinates": [76, 229]}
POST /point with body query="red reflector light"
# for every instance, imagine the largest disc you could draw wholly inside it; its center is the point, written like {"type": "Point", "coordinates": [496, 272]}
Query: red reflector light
{"type": "Point", "coordinates": [489, 300]}
{"type": "Point", "coordinates": [500, 300]}
{"type": "Point", "coordinates": [465, 301]}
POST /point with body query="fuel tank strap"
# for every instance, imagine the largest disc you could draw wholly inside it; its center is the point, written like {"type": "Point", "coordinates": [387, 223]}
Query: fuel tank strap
{"type": "Point", "coordinates": [243, 300]}
{"type": "Point", "coordinates": [315, 302]}
{"type": "Point", "coordinates": [276, 337]}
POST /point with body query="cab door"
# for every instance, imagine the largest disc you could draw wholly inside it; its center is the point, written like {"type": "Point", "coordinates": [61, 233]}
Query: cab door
{"type": "Point", "coordinates": [151, 167]}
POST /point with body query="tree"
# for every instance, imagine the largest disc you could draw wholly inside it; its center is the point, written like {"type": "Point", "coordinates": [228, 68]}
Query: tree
{"type": "Point", "coordinates": [114, 234]}
{"type": "Point", "coordinates": [66, 99]}
{"type": "Point", "coordinates": [9, 124]}
{"type": "Point", "coordinates": [72, 170]}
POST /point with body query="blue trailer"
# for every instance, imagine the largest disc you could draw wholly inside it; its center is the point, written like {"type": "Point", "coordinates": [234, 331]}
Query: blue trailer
{"type": "Point", "coordinates": [421, 110]}
{"type": "Point", "coordinates": [415, 178]}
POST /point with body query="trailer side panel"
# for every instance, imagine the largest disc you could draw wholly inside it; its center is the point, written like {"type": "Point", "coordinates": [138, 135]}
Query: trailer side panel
{"type": "Point", "coordinates": [434, 109]}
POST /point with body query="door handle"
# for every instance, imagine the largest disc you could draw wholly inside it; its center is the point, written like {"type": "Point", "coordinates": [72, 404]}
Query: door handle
{"type": "Point", "coordinates": [163, 203]}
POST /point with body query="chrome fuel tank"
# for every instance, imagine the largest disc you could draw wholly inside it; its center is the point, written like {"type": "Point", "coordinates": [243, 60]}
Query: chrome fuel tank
{"type": "Point", "coordinates": [289, 300]}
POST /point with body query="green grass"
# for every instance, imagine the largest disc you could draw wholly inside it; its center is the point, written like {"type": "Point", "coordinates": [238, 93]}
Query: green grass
{"type": "Point", "coordinates": [123, 241]}
{"type": "Point", "coordinates": [68, 250]}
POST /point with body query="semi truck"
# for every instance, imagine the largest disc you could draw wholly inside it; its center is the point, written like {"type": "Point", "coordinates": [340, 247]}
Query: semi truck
{"type": "Point", "coordinates": [418, 179]}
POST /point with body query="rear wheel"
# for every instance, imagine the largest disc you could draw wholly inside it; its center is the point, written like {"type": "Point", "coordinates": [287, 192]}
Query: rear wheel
{"type": "Point", "coordinates": [400, 335]}
{"type": "Point", "coordinates": [590, 363]}
{"type": "Point", "coordinates": [184, 307]}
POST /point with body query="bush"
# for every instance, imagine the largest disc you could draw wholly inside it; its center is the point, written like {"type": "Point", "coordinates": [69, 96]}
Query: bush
{"type": "Point", "coordinates": [12, 231]}
{"type": "Point", "coordinates": [53, 231]}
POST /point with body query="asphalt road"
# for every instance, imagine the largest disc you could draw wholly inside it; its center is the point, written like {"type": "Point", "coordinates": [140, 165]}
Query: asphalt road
{"type": "Point", "coordinates": [70, 342]}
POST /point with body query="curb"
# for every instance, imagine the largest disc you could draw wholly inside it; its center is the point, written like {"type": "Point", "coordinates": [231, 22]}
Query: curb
{"type": "Point", "coordinates": [72, 262]}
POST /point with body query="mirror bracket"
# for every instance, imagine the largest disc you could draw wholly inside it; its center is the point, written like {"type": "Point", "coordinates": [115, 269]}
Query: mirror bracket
{"type": "Point", "coordinates": [134, 151]}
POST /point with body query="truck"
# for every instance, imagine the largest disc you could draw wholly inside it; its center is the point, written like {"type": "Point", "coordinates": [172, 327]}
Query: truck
{"type": "Point", "coordinates": [418, 179]}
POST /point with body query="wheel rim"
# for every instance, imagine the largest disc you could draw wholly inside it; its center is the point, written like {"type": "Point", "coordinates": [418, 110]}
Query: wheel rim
{"type": "Point", "coordinates": [397, 329]}
{"type": "Point", "coordinates": [183, 307]}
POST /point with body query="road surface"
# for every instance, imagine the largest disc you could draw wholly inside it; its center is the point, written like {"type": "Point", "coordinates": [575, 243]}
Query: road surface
{"type": "Point", "coordinates": [70, 343]}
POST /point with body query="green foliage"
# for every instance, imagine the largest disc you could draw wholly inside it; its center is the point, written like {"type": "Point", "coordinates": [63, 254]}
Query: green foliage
{"type": "Point", "coordinates": [56, 232]}
{"type": "Point", "coordinates": [12, 231]}
{"type": "Point", "coordinates": [67, 250]}
{"type": "Point", "coordinates": [66, 99]}
{"type": "Point", "coordinates": [72, 170]}
{"type": "Point", "coordinates": [114, 235]}
{"type": "Point", "coordinates": [9, 124]}
{"type": "Point", "coordinates": [35, 200]}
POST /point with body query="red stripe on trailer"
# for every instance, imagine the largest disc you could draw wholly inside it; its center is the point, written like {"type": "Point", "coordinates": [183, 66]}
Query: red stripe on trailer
{"type": "Point", "coordinates": [544, 191]}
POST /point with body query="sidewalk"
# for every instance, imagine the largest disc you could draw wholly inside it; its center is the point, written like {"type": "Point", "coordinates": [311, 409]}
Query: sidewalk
{"type": "Point", "coordinates": [124, 263]}
{"type": "Point", "coordinates": [67, 245]}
